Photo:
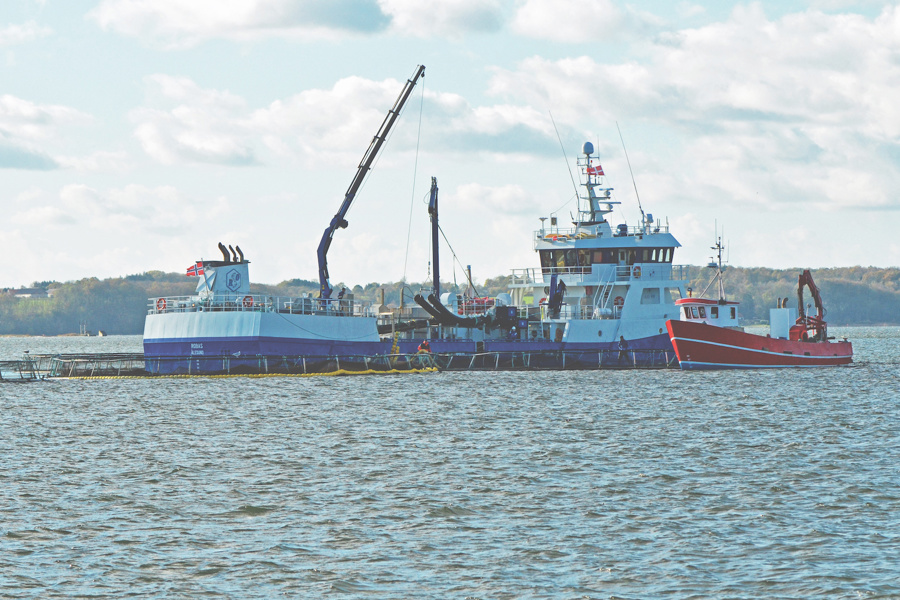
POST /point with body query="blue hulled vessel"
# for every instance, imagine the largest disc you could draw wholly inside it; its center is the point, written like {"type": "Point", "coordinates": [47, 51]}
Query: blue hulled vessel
{"type": "Point", "coordinates": [599, 299]}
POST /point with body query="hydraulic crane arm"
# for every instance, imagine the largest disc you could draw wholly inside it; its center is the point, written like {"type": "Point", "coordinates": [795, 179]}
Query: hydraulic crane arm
{"type": "Point", "coordinates": [806, 279]}
{"type": "Point", "coordinates": [340, 220]}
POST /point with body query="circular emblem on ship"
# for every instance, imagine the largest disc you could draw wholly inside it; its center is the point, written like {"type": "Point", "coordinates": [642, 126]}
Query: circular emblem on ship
{"type": "Point", "coordinates": [233, 280]}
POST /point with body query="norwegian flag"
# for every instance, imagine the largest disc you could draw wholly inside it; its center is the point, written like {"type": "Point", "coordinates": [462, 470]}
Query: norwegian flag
{"type": "Point", "coordinates": [196, 270]}
{"type": "Point", "coordinates": [598, 170]}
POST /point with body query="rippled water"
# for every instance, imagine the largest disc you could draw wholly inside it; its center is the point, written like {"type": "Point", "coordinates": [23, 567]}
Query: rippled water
{"type": "Point", "coordinates": [618, 484]}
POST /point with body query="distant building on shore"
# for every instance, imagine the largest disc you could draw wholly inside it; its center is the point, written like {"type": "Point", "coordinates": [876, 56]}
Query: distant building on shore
{"type": "Point", "coordinates": [29, 292]}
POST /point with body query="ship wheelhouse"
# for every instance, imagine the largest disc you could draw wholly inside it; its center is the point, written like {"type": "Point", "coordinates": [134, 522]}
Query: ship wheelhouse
{"type": "Point", "coordinates": [721, 313]}
{"type": "Point", "coordinates": [604, 272]}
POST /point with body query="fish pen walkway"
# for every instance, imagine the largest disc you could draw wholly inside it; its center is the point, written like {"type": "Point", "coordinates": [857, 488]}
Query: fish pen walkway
{"type": "Point", "coordinates": [18, 370]}
{"type": "Point", "coordinates": [105, 365]}
{"type": "Point", "coordinates": [40, 366]}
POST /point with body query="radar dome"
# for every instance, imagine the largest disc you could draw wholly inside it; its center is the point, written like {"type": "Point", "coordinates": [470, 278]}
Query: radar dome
{"type": "Point", "coordinates": [588, 148]}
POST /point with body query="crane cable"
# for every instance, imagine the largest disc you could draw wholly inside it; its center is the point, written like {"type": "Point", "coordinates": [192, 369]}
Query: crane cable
{"type": "Point", "coordinates": [412, 196]}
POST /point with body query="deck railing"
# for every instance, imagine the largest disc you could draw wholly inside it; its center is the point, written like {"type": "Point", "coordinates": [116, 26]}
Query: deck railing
{"type": "Point", "coordinates": [563, 234]}
{"type": "Point", "coordinates": [256, 303]}
{"type": "Point", "coordinates": [638, 272]}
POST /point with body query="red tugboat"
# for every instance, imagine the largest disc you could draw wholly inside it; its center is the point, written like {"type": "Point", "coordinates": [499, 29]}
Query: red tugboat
{"type": "Point", "coordinates": [708, 335]}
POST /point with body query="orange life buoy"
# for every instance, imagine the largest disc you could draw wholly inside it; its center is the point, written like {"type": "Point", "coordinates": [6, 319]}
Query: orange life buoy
{"type": "Point", "coordinates": [161, 304]}
{"type": "Point", "coordinates": [637, 272]}
{"type": "Point", "coordinates": [619, 301]}
{"type": "Point", "coordinates": [543, 301]}
{"type": "Point", "coordinates": [248, 301]}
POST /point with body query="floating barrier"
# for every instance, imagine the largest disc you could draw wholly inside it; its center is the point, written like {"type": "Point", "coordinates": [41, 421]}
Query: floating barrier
{"type": "Point", "coordinates": [557, 360]}
{"type": "Point", "coordinates": [108, 365]}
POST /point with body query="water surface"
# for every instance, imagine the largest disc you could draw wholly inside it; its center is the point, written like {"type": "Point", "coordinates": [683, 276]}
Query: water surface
{"type": "Point", "coordinates": [613, 484]}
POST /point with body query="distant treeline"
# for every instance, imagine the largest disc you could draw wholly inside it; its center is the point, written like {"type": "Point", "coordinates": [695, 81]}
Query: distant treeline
{"type": "Point", "coordinates": [852, 296]}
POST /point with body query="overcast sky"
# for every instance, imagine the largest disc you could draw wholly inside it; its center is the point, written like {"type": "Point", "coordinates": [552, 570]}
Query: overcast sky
{"type": "Point", "coordinates": [136, 134]}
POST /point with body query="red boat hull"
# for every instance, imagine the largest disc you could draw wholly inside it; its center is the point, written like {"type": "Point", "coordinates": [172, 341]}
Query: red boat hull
{"type": "Point", "coordinates": [703, 346]}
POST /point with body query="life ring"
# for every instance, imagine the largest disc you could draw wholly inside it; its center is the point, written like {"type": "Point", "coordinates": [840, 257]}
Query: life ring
{"type": "Point", "coordinates": [543, 301]}
{"type": "Point", "coordinates": [161, 304]}
{"type": "Point", "coordinates": [637, 272]}
{"type": "Point", "coordinates": [619, 301]}
{"type": "Point", "coordinates": [247, 301]}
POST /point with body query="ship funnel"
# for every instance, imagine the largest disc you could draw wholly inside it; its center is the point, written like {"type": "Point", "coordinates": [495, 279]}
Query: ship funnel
{"type": "Point", "coordinates": [588, 148]}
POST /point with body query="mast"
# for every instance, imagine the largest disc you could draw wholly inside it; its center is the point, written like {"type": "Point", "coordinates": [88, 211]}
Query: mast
{"type": "Point", "coordinates": [339, 221]}
{"type": "Point", "coordinates": [593, 208]}
{"type": "Point", "coordinates": [435, 229]}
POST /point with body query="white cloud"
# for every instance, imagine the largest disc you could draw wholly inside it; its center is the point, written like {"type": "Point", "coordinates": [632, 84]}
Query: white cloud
{"type": "Point", "coordinates": [185, 123]}
{"type": "Point", "coordinates": [567, 20]}
{"type": "Point", "coordinates": [97, 161]}
{"type": "Point", "coordinates": [178, 24]}
{"type": "Point", "coordinates": [162, 210]}
{"type": "Point", "coordinates": [774, 111]}
{"type": "Point", "coordinates": [449, 18]}
{"type": "Point", "coordinates": [577, 22]}
{"type": "Point", "coordinates": [205, 126]}
{"type": "Point", "coordinates": [26, 128]}
{"type": "Point", "coordinates": [495, 200]}
{"type": "Point", "coordinates": [43, 216]}
{"type": "Point", "coordinates": [116, 211]}
{"type": "Point", "coordinates": [24, 120]}
{"type": "Point", "coordinates": [12, 35]}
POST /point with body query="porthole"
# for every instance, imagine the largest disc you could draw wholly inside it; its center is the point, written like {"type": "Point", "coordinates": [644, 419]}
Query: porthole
{"type": "Point", "coordinates": [599, 333]}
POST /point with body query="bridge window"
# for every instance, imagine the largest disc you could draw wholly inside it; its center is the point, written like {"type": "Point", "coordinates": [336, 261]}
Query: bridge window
{"type": "Point", "coordinates": [687, 312]}
{"type": "Point", "coordinates": [702, 312]}
{"type": "Point", "coordinates": [546, 258]}
{"type": "Point", "coordinates": [651, 255]}
{"type": "Point", "coordinates": [650, 296]}
{"type": "Point", "coordinates": [733, 312]}
{"type": "Point", "coordinates": [604, 256]}
{"type": "Point", "coordinates": [714, 312]}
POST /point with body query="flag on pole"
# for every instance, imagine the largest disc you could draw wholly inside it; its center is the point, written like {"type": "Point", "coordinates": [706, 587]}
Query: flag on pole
{"type": "Point", "coordinates": [196, 270]}
{"type": "Point", "coordinates": [598, 170]}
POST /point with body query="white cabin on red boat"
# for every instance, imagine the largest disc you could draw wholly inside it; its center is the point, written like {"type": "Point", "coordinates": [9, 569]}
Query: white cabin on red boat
{"type": "Point", "coordinates": [719, 313]}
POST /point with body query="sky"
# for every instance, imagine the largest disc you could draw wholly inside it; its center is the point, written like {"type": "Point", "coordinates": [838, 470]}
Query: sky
{"type": "Point", "coordinates": [137, 134]}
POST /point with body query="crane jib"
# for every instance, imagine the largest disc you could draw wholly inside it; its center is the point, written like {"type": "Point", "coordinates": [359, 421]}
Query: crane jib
{"type": "Point", "coordinates": [339, 220]}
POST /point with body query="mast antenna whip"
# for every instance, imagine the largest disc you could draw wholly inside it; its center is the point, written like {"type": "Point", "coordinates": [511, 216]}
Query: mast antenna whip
{"type": "Point", "coordinates": [630, 171]}
{"type": "Point", "coordinates": [565, 158]}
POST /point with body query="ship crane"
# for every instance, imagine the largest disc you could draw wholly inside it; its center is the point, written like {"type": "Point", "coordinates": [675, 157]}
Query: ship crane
{"type": "Point", "coordinates": [340, 219]}
{"type": "Point", "coordinates": [808, 322]}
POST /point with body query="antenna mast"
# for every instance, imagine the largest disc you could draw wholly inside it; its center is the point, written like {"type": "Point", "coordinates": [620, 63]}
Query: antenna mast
{"type": "Point", "coordinates": [643, 216]}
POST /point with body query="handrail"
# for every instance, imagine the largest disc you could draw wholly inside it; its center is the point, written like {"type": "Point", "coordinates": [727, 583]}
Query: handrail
{"type": "Point", "coordinates": [574, 233]}
{"type": "Point", "coordinates": [647, 272]}
{"type": "Point", "coordinates": [256, 303]}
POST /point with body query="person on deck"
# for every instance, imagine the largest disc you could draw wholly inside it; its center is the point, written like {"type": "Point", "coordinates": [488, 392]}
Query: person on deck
{"type": "Point", "coordinates": [424, 346]}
